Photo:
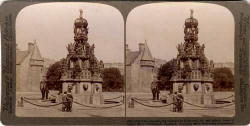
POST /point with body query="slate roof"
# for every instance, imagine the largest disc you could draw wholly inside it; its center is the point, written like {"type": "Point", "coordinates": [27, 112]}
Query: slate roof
{"type": "Point", "coordinates": [20, 56]}
{"type": "Point", "coordinates": [147, 54]}
{"type": "Point", "coordinates": [131, 56]}
{"type": "Point", "coordinates": [36, 55]}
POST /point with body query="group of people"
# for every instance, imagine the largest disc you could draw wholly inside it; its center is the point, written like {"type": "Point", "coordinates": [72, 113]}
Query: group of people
{"type": "Point", "coordinates": [67, 100]}
{"type": "Point", "coordinates": [177, 96]}
{"type": "Point", "coordinates": [178, 102]}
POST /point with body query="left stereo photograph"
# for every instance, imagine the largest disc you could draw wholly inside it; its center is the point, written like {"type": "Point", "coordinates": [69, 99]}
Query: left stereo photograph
{"type": "Point", "coordinates": [67, 55]}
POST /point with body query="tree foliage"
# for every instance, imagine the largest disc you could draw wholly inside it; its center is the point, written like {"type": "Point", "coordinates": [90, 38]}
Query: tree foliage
{"type": "Point", "coordinates": [165, 74]}
{"type": "Point", "coordinates": [223, 79]}
{"type": "Point", "coordinates": [112, 80]}
{"type": "Point", "coordinates": [54, 74]}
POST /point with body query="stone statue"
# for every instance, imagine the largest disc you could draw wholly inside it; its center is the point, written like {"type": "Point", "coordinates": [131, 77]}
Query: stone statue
{"type": "Point", "coordinates": [202, 48]}
{"type": "Point", "coordinates": [211, 63]}
{"type": "Point", "coordinates": [189, 48]}
{"type": "Point", "coordinates": [180, 48]}
{"type": "Point", "coordinates": [81, 28]}
{"type": "Point", "coordinates": [92, 49]}
{"type": "Point", "coordinates": [101, 64]}
{"type": "Point", "coordinates": [87, 48]}
{"type": "Point", "coordinates": [70, 48]}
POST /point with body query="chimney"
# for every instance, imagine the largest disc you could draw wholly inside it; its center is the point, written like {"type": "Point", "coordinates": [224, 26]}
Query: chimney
{"type": "Point", "coordinates": [127, 50]}
{"type": "Point", "coordinates": [30, 47]}
{"type": "Point", "coordinates": [141, 47]}
{"type": "Point", "coordinates": [17, 47]}
{"type": "Point", "coordinates": [126, 46]}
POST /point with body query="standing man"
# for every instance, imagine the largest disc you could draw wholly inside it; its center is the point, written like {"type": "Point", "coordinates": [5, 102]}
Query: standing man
{"type": "Point", "coordinates": [175, 101]}
{"type": "Point", "coordinates": [153, 89]}
{"type": "Point", "coordinates": [157, 91]}
{"type": "Point", "coordinates": [64, 101]}
{"type": "Point", "coordinates": [42, 88]}
{"type": "Point", "coordinates": [69, 102]}
{"type": "Point", "coordinates": [180, 102]}
{"type": "Point", "coordinates": [46, 91]}
{"type": "Point", "coordinates": [180, 98]}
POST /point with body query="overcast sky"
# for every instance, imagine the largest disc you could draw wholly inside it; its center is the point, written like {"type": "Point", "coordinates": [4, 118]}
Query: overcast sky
{"type": "Point", "coordinates": [51, 24]}
{"type": "Point", "coordinates": [161, 24]}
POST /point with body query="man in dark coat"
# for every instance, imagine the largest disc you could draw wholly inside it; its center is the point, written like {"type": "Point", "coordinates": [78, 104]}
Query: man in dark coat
{"type": "Point", "coordinates": [46, 91]}
{"type": "Point", "coordinates": [180, 102]}
{"type": "Point", "coordinates": [155, 89]}
{"type": "Point", "coordinates": [64, 101]}
{"type": "Point", "coordinates": [69, 99]}
{"type": "Point", "coordinates": [175, 103]}
{"type": "Point", "coordinates": [42, 88]}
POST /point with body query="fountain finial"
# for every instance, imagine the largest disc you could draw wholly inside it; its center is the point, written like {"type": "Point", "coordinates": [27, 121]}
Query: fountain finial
{"type": "Point", "coordinates": [81, 12]}
{"type": "Point", "coordinates": [191, 13]}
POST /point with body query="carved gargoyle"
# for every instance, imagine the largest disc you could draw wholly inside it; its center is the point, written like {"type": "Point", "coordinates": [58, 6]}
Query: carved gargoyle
{"type": "Point", "coordinates": [85, 87]}
{"type": "Point", "coordinates": [92, 49]}
{"type": "Point", "coordinates": [97, 88]}
{"type": "Point", "coordinates": [196, 87]}
{"type": "Point", "coordinates": [207, 88]}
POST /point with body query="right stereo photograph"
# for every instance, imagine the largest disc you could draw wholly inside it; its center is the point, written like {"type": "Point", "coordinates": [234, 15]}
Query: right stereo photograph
{"type": "Point", "coordinates": [180, 60]}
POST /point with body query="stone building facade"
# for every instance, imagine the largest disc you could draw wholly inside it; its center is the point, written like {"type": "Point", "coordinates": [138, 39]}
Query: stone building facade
{"type": "Point", "coordinates": [29, 69]}
{"type": "Point", "coordinates": [139, 69]}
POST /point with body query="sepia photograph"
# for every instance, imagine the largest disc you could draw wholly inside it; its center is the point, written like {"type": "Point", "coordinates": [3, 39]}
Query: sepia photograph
{"type": "Point", "coordinates": [180, 60]}
{"type": "Point", "coordinates": [125, 62]}
{"type": "Point", "coordinates": [70, 61]}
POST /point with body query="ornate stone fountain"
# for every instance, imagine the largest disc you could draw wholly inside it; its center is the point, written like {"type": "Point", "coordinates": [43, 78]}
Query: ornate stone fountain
{"type": "Point", "coordinates": [81, 70]}
{"type": "Point", "coordinates": [193, 71]}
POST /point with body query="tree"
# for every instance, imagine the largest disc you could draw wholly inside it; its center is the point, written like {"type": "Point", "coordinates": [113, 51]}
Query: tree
{"type": "Point", "coordinates": [112, 80]}
{"type": "Point", "coordinates": [165, 74]}
{"type": "Point", "coordinates": [54, 74]}
{"type": "Point", "coordinates": [223, 79]}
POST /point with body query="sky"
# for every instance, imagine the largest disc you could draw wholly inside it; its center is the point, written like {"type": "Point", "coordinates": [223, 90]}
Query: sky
{"type": "Point", "coordinates": [162, 25]}
{"type": "Point", "coordinates": [51, 25]}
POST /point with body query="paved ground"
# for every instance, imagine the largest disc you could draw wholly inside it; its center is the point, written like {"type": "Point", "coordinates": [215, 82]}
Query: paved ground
{"type": "Point", "coordinates": [189, 111]}
{"type": "Point", "coordinates": [78, 111]}
{"type": "Point", "coordinates": [138, 111]}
